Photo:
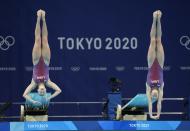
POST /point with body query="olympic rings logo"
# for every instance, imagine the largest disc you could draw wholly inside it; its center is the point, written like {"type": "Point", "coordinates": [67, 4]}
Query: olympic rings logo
{"type": "Point", "coordinates": [6, 42]}
{"type": "Point", "coordinates": [75, 68]}
{"type": "Point", "coordinates": [185, 41]}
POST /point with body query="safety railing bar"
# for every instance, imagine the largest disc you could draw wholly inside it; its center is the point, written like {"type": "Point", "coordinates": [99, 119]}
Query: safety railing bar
{"type": "Point", "coordinates": [92, 102]}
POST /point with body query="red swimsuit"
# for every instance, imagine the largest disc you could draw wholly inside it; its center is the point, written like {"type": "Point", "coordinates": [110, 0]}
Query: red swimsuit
{"type": "Point", "coordinates": [40, 71]}
{"type": "Point", "coordinates": [155, 75]}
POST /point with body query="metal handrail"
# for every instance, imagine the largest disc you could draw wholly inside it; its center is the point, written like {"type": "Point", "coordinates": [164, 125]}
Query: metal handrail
{"type": "Point", "coordinates": [93, 102]}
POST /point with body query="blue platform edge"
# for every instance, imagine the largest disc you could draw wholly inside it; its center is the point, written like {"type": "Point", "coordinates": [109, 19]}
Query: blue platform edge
{"type": "Point", "coordinates": [95, 125]}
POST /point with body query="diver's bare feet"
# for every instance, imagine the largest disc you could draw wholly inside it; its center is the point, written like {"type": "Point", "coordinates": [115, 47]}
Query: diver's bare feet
{"type": "Point", "coordinates": [39, 13]}
{"type": "Point", "coordinates": [155, 14]}
{"type": "Point", "coordinates": [43, 14]}
{"type": "Point", "coordinates": [159, 14]}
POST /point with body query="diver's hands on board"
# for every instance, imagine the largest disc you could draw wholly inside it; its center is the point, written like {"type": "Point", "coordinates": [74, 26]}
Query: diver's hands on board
{"type": "Point", "coordinates": [155, 117]}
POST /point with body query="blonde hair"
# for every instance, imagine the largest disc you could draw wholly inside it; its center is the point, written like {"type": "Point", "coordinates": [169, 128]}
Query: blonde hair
{"type": "Point", "coordinates": [41, 85]}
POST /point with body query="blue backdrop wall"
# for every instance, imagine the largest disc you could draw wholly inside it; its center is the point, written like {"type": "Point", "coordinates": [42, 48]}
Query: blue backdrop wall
{"type": "Point", "coordinates": [90, 42]}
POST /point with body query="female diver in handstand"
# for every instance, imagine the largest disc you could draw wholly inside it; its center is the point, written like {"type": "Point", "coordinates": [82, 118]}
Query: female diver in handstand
{"type": "Point", "coordinates": [41, 59]}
